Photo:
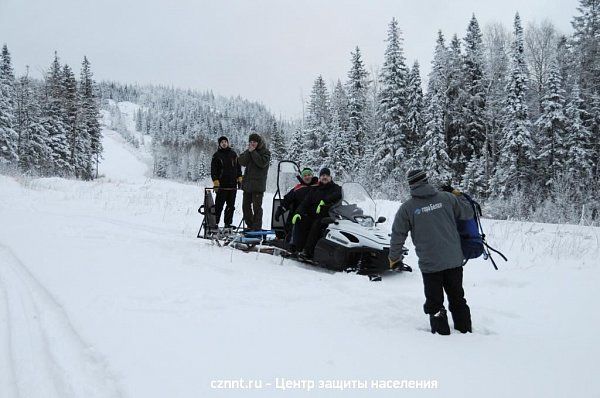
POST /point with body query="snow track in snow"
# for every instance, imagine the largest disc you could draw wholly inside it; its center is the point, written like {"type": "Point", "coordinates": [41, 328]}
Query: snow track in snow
{"type": "Point", "coordinates": [44, 354]}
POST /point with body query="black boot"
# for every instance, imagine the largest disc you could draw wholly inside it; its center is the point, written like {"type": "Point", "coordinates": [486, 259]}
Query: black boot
{"type": "Point", "coordinates": [462, 320]}
{"type": "Point", "coordinates": [439, 323]}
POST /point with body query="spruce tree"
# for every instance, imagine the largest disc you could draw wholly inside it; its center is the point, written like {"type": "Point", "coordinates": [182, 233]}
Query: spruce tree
{"type": "Point", "coordinates": [434, 153]}
{"type": "Point", "coordinates": [278, 148]}
{"type": "Point", "coordinates": [8, 135]}
{"type": "Point", "coordinates": [516, 163]}
{"type": "Point", "coordinates": [578, 142]}
{"type": "Point", "coordinates": [90, 112]}
{"type": "Point", "coordinates": [455, 103]}
{"type": "Point", "coordinates": [475, 93]}
{"type": "Point", "coordinates": [551, 125]}
{"type": "Point", "coordinates": [316, 129]}
{"type": "Point", "coordinates": [341, 158]}
{"type": "Point", "coordinates": [296, 149]}
{"type": "Point", "coordinates": [357, 92]}
{"type": "Point", "coordinates": [414, 113]}
{"type": "Point", "coordinates": [70, 104]}
{"type": "Point", "coordinates": [35, 153]}
{"type": "Point", "coordinates": [391, 148]}
{"type": "Point", "coordinates": [53, 121]}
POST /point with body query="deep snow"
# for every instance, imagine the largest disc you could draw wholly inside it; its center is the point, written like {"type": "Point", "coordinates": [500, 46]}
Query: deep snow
{"type": "Point", "coordinates": [106, 291]}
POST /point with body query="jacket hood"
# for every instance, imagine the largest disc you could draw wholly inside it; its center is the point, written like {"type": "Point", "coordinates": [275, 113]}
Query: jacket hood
{"type": "Point", "coordinates": [261, 143]}
{"type": "Point", "coordinates": [422, 190]}
{"type": "Point", "coordinates": [259, 140]}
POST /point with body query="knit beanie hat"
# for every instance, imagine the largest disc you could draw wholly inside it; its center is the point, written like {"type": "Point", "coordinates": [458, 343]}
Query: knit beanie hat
{"type": "Point", "coordinates": [414, 177]}
{"type": "Point", "coordinates": [254, 137]}
{"type": "Point", "coordinates": [222, 138]}
{"type": "Point", "coordinates": [325, 171]}
{"type": "Point", "coordinates": [306, 171]}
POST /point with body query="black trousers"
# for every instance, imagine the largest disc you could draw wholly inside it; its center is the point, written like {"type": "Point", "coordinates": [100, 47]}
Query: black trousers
{"type": "Point", "coordinates": [450, 281]}
{"type": "Point", "coordinates": [307, 234]}
{"type": "Point", "coordinates": [225, 196]}
{"type": "Point", "coordinates": [252, 208]}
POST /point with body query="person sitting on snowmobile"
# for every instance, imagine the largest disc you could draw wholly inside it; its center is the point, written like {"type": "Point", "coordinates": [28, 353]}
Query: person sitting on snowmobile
{"type": "Point", "coordinates": [312, 210]}
{"type": "Point", "coordinates": [294, 197]}
{"type": "Point", "coordinates": [256, 160]}
{"type": "Point", "coordinates": [430, 217]}
{"type": "Point", "coordinates": [226, 174]}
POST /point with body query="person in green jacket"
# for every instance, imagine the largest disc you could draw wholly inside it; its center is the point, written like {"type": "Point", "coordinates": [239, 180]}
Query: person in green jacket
{"type": "Point", "coordinates": [256, 160]}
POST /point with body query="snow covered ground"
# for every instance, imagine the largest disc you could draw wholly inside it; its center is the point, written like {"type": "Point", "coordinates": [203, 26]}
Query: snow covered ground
{"type": "Point", "coordinates": [105, 291]}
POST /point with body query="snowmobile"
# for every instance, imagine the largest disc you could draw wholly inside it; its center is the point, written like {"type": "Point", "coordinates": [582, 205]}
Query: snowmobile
{"type": "Point", "coordinates": [352, 240]}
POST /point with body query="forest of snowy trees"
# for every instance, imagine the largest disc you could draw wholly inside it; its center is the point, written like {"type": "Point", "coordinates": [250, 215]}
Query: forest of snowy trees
{"type": "Point", "coordinates": [511, 116]}
{"type": "Point", "coordinates": [49, 127]}
{"type": "Point", "coordinates": [184, 125]}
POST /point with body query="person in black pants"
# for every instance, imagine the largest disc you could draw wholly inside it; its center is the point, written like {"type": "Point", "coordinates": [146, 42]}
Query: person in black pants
{"type": "Point", "coordinates": [450, 281]}
{"type": "Point", "coordinates": [430, 217]}
{"type": "Point", "coordinates": [292, 200]}
{"type": "Point", "coordinates": [311, 212]}
{"type": "Point", "coordinates": [226, 174]}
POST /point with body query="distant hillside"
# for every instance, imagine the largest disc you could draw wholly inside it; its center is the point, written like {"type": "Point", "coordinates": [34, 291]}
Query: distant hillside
{"type": "Point", "coordinates": [185, 124]}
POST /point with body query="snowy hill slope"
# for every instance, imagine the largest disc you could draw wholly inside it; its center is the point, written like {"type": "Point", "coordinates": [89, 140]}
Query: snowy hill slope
{"type": "Point", "coordinates": [105, 291]}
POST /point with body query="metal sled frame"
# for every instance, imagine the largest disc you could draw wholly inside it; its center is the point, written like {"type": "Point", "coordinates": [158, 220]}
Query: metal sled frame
{"type": "Point", "coordinates": [207, 209]}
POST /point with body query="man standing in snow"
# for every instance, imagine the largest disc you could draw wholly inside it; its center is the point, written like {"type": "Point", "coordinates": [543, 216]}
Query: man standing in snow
{"type": "Point", "coordinates": [256, 160]}
{"type": "Point", "coordinates": [226, 174]}
{"type": "Point", "coordinates": [430, 217]}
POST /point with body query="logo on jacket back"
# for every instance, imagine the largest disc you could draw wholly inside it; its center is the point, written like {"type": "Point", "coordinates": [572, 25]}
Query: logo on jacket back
{"type": "Point", "coordinates": [428, 208]}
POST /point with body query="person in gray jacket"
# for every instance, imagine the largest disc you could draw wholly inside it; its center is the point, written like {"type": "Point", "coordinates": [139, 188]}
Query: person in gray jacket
{"type": "Point", "coordinates": [430, 217]}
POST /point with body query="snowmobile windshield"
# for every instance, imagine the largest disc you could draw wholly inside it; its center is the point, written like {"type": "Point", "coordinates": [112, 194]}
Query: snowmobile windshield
{"type": "Point", "coordinates": [287, 177]}
{"type": "Point", "coordinates": [357, 205]}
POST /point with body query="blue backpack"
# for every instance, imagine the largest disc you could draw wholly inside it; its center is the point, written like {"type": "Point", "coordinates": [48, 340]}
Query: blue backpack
{"type": "Point", "coordinates": [472, 238]}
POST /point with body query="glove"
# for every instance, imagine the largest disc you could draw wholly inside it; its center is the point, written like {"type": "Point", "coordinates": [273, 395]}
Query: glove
{"type": "Point", "coordinates": [239, 182]}
{"type": "Point", "coordinates": [216, 183]}
{"type": "Point", "coordinates": [394, 262]}
{"type": "Point", "coordinates": [321, 203]}
{"type": "Point", "coordinates": [296, 218]}
{"type": "Point", "coordinates": [279, 212]}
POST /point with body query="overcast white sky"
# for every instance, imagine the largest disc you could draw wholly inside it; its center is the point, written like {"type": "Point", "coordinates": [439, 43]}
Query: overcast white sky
{"type": "Point", "coordinates": [266, 50]}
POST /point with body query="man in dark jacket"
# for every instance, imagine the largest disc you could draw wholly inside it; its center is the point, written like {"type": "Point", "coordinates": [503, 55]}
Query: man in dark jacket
{"type": "Point", "coordinates": [312, 210]}
{"type": "Point", "coordinates": [294, 198]}
{"type": "Point", "coordinates": [256, 160]}
{"type": "Point", "coordinates": [226, 174]}
{"type": "Point", "coordinates": [430, 217]}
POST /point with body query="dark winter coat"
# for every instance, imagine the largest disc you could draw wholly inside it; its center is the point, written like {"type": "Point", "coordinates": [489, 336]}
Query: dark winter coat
{"type": "Point", "coordinates": [296, 195]}
{"type": "Point", "coordinates": [329, 193]}
{"type": "Point", "coordinates": [256, 165]}
{"type": "Point", "coordinates": [430, 217]}
{"type": "Point", "coordinates": [225, 168]}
